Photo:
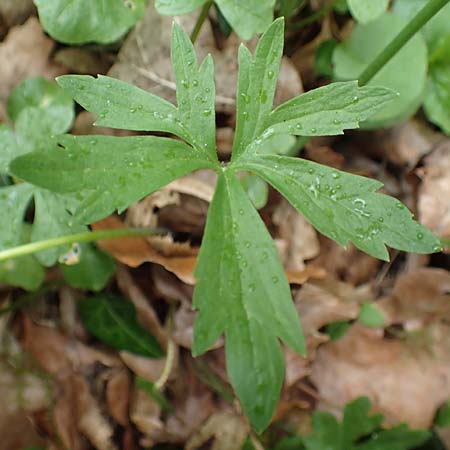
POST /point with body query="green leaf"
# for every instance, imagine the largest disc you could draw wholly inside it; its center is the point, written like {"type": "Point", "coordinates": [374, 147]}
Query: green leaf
{"type": "Point", "coordinates": [112, 320]}
{"type": "Point", "coordinates": [371, 316]}
{"type": "Point", "coordinates": [242, 291]}
{"type": "Point", "coordinates": [195, 92]}
{"type": "Point", "coordinates": [178, 7]}
{"type": "Point", "coordinates": [366, 41]}
{"type": "Point", "coordinates": [112, 173]}
{"type": "Point", "coordinates": [323, 62]}
{"type": "Point", "coordinates": [55, 107]}
{"type": "Point", "coordinates": [365, 11]}
{"type": "Point", "coordinates": [357, 424]}
{"type": "Point", "coordinates": [82, 21]}
{"type": "Point", "coordinates": [437, 96]}
{"type": "Point", "coordinates": [24, 272]}
{"type": "Point", "coordinates": [288, 8]}
{"type": "Point", "coordinates": [256, 85]}
{"type": "Point", "coordinates": [328, 110]}
{"type": "Point", "coordinates": [8, 148]}
{"type": "Point", "coordinates": [51, 219]}
{"type": "Point", "coordinates": [92, 272]}
{"type": "Point", "coordinates": [398, 438]}
{"type": "Point", "coordinates": [256, 189]}
{"type": "Point", "coordinates": [443, 416]}
{"type": "Point", "coordinates": [336, 330]}
{"type": "Point", "coordinates": [344, 207]}
{"type": "Point", "coordinates": [248, 17]}
{"type": "Point", "coordinates": [122, 105]}
{"type": "Point", "coordinates": [14, 201]}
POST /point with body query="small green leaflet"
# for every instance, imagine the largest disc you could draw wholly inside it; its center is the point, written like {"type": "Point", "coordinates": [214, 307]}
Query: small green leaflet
{"type": "Point", "coordinates": [357, 424]}
{"type": "Point", "coordinates": [364, 11]}
{"type": "Point", "coordinates": [247, 17]}
{"type": "Point", "coordinates": [113, 320]}
{"type": "Point", "coordinates": [343, 206]}
{"type": "Point", "coordinates": [82, 21]}
{"type": "Point", "coordinates": [242, 290]}
{"type": "Point", "coordinates": [112, 173]}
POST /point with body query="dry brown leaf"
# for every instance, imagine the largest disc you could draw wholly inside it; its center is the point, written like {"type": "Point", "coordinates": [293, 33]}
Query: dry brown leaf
{"type": "Point", "coordinates": [90, 419]}
{"type": "Point", "coordinates": [25, 52]}
{"type": "Point", "coordinates": [318, 305]}
{"type": "Point", "coordinates": [14, 12]}
{"type": "Point", "coordinates": [397, 377]}
{"type": "Point", "coordinates": [418, 299]}
{"type": "Point", "coordinates": [228, 430]}
{"type": "Point", "coordinates": [145, 414]}
{"type": "Point", "coordinates": [135, 251]}
{"type": "Point", "coordinates": [434, 192]}
{"type": "Point", "coordinates": [300, 242]}
{"type": "Point", "coordinates": [118, 396]}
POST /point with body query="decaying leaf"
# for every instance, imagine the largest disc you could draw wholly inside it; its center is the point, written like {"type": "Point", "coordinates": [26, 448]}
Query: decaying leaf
{"type": "Point", "coordinates": [395, 375]}
{"type": "Point", "coordinates": [434, 207]}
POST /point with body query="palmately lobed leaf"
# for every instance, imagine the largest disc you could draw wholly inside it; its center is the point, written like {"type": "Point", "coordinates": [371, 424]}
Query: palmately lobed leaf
{"type": "Point", "coordinates": [344, 207]}
{"type": "Point", "coordinates": [242, 291]}
{"type": "Point", "coordinates": [109, 172]}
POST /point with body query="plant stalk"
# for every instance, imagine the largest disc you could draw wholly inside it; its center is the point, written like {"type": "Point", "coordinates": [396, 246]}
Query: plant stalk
{"type": "Point", "coordinates": [88, 236]}
{"type": "Point", "coordinates": [201, 20]}
{"type": "Point", "coordinates": [414, 25]}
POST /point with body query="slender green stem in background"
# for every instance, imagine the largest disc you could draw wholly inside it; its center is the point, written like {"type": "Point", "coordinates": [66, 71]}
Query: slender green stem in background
{"type": "Point", "coordinates": [201, 20]}
{"type": "Point", "coordinates": [88, 236]}
{"type": "Point", "coordinates": [316, 16]}
{"type": "Point", "coordinates": [419, 20]}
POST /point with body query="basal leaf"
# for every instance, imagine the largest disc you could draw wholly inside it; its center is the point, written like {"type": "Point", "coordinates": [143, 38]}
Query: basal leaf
{"type": "Point", "coordinates": [343, 206]}
{"type": "Point", "coordinates": [256, 85]}
{"type": "Point", "coordinates": [437, 96]}
{"type": "Point", "coordinates": [248, 17]}
{"type": "Point", "coordinates": [242, 291]}
{"type": "Point", "coordinates": [55, 106]}
{"type": "Point", "coordinates": [82, 21]}
{"type": "Point", "coordinates": [110, 172]}
{"type": "Point", "coordinates": [14, 201]}
{"type": "Point", "coordinates": [397, 438]}
{"type": "Point", "coordinates": [364, 11]}
{"type": "Point", "coordinates": [24, 272]}
{"type": "Point", "coordinates": [121, 105]}
{"type": "Point", "coordinates": [178, 7]}
{"type": "Point", "coordinates": [51, 219]}
{"type": "Point", "coordinates": [326, 111]}
{"type": "Point", "coordinates": [195, 92]}
{"type": "Point", "coordinates": [8, 148]}
{"type": "Point", "coordinates": [93, 271]}
{"type": "Point", "coordinates": [353, 55]}
{"type": "Point", "coordinates": [113, 321]}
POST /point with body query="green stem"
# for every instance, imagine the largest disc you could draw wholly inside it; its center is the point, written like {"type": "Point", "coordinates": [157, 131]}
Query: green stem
{"type": "Point", "coordinates": [201, 20]}
{"type": "Point", "coordinates": [316, 16]}
{"type": "Point", "coordinates": [419, 20]}
{"type": "Point", "coordinates": [88, 236]}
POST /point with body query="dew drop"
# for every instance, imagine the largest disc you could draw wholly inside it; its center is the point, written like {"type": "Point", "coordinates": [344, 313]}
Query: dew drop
{"type": "Point", "coordinates": [419, 236]}
{"type": "Point", "coordinates": [241, 212]}
{"type": "Point", "coordinates": [313, 130]}
{"type": "Point", "coordinates": [336, 122]}
{"type": "Point", "coordinates": [251, 287]}
{"type": "Point", "coordinates": [271, 74]}
{"type": "Point", "coordinates": [195, 83]}
{"type": "Point", "coordinates": [248, 244]}
{"type": "Point", "coordinates": [335, 175]}
{"type": "Point", "coordinates": [311, 171]}
{"type": "Point", "coordinates": [298, 126]}
{"type": "Point", "coordinates": [275, 279]}
{"type": "Point", "coordinates": [437, 248]}
{"type": "Point", "coordinates": [207, 112]}
{"type": "Point", "coordinates": [244, 263]}
{"type": "Point", "coordinates": [185, 84]}
{"type": "Point", "coordinates": [132, 110]}
{"type": "Point", "coordinates": [263, 96]}
{"type": "Point", "coordinates": [265, 255]}
{"type": "Point", "coordinates": [381, 219]}
{"type": "Point", "coordinates": [355, 99]}
{"type": "Point", "coordinates": [139, 107]}
{"type": "Point", "coordinates": [400, 205]}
